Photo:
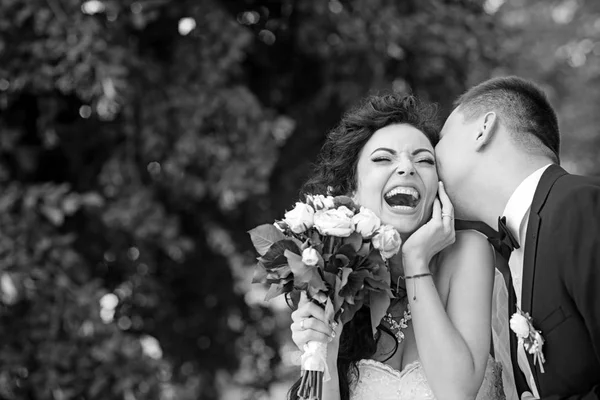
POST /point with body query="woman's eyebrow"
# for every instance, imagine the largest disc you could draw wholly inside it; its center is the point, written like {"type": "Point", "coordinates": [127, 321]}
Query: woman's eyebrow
{"type": "Point", "coordinates": [417, 151]}
{"type": "Point", "coordinates": [392, 151]}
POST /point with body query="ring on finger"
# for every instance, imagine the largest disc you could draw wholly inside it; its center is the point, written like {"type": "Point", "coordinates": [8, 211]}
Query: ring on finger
{"type": "Point", "coordinates": [302, 324]}
{"type": "Point", "coordinates": [447, 215]}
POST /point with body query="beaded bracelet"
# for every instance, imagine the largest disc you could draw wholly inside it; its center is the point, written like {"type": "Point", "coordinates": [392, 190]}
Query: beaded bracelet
{"type": "Point", "coordinates": [415, 283]}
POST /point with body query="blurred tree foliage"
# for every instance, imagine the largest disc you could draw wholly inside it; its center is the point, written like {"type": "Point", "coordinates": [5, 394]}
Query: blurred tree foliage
{"type": "Point", "coordinates": [557, 43]}
{"type": "Point", "coordinates": [140, 140]}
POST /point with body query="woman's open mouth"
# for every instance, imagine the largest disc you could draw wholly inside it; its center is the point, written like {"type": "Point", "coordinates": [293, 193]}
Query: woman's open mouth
{"type": "Point", "coordinates": [401, 197]}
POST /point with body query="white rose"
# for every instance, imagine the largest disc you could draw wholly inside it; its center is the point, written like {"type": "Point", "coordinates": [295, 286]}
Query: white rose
{"type": "Point", "coordinates": [328, 202]}
{"type": "Point", "coordinates": [519, 325]}
{"type": "Point", "coordinates": [300, 218]}
{"type": "Point", "coordinates": [310, 256]}
{"type": "Point", "coordinates": [366, 222]}
{"type": "Point", "coordinates": [320, 202]}
{"type": "Point", "coordinates": [343, 209]}
{"type": "Point", "coordinates": [334, 222]}
{"type": "Point", "coordinates": [387, 240]}
{"type": "Point", "coordinates": [315, 200]}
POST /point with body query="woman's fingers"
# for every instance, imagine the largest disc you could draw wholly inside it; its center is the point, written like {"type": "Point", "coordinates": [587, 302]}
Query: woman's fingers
{"type": "Point", "coordinates": [447, 207]}
{"type": "Point", "coordinates": [307, 329]}
{"type": "Point", "coordinates": [308, 310]}
{"type": "Point", "coordinates": [312, 324]}
{"type": "Point", "coordinates": [300, 338]}
{"type": "Point", "coordinates": [436, 214]}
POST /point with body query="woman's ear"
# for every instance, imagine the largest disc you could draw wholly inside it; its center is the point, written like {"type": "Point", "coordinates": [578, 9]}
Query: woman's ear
{"type": "Point", "coordinates": [486, 130]}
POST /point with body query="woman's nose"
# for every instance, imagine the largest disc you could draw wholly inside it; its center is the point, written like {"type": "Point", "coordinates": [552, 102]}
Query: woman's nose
{"type": "Point", "coordinates": [405, 168]}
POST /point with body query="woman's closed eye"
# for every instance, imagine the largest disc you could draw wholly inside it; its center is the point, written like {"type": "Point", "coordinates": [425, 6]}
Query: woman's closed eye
{"type": "Point", "coordinates": [430, 161]}
{"type": "Point", "coordinates": [381, 159]}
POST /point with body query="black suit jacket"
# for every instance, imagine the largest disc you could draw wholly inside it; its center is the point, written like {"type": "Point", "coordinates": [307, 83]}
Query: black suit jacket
{"type": "Point", "coordinates": [561, 284]}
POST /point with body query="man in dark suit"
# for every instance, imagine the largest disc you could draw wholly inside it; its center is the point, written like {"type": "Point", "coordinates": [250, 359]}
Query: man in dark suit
{"type": "Point", "coordinates": [498, 157]}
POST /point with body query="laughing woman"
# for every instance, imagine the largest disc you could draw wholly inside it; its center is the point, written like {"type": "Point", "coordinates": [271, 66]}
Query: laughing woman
{"type": "Point", "coordinates": [434, 341]}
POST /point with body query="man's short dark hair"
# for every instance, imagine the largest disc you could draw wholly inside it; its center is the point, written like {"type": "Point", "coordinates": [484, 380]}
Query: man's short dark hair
{"type": "Point", "coordinates": [521, 106]}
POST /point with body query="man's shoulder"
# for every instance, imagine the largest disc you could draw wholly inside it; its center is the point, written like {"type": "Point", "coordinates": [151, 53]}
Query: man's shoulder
{"type": "Point", "coordinates": [572, 203]}
{"type": "Point", "coordinates": [572, 191]}
{"type": "Point", "coordinates": [579, 180]}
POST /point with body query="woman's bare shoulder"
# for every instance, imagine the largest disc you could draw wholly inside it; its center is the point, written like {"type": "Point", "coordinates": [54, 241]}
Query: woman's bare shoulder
{"type": "Point", "coordinates": [470, 248]}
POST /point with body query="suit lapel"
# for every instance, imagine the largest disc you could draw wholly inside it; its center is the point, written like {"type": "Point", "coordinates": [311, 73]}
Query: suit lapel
{"type": "Point", "coordinates": [531, 243]}
{"type": "Point", "coordinates": [533, 227]}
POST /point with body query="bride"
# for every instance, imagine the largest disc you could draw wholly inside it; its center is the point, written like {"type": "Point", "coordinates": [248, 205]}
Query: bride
{"type": "Point", "coordinates": [434, 341]}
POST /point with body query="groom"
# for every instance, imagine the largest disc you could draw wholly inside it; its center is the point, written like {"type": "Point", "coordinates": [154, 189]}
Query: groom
{"type": "Point", "coordinates": [498, 156]}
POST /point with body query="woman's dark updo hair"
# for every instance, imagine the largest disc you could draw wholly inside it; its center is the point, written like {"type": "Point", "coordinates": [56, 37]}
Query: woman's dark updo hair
{"type": "Point", "coordinates": [335, 171]}
{"type": "Point", "coordinates": [335, 174]}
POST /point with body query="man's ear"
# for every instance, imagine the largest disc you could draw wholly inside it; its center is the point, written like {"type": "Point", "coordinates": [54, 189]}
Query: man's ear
{"type": "Point", "coordinates": [486, 130]}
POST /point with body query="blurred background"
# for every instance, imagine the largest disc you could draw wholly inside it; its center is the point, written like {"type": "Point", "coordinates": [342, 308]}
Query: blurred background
{"type": "Point", "coordinates": [140, 140]}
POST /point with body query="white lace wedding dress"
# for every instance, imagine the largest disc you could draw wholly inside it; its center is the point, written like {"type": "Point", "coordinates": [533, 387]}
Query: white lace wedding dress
{"type": "Point", "coordinates": [382, 382]}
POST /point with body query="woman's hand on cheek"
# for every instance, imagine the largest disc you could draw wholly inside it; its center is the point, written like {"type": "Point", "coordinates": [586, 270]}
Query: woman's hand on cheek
{"type": "Point", "coordinates": [434, 236]}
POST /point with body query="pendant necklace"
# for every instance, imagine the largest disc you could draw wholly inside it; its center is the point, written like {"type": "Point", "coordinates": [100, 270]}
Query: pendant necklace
{"type": "Point", "coordinates": [397, 326]}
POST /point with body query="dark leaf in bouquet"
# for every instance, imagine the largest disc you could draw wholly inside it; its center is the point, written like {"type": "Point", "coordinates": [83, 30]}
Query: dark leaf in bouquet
{"type": "Point", "coordinates": [356, 281]}
{"type": "Point", "coordinates": [294, 295]}
{"type": "Point", "coordinates": [382, 273]}
{"type": "Point", "coordinates": [364, 250]}
{"type": "Point", "coordinates": [331, 265]}
{"type": "Point", "coordinates": [312, 291]}
{"type": "Point", "coordinates": [273, 264]}
{"type": "Point", "coordinates": [329, 309]}
{"type": "Point", "coordinates": [378, 304]}
{"type": "Point", "coordinates": [281, 273]}
{"type": "Point", "coordinates": [358, 298]}
{"type": "Point", "coordinates": [275, 256]}
{"type": "Point", "coordinates": [344, 274]}
{"type": "Point", "coordinates": [339, 201]}
{"type": "Point", "coordinates": [349, 311]}
{"type": "Point", "coordinates": [330, 279]}
{"type": "Point", "coordinates": [375, 257]}
{"type": "Point", "coordinates": [337, 262]}
{"type": "Point", "coordinates": [299, 243]}
{"type": "Point", "coordinates": [263, 237]}
{"type": "Point", "coordinates": [260, 273]}
{"type": "Point", "coordinates": [334, 282]}
{"type": "Point", "coordinates": [378, 285]}
{"type": "Point", "coordinates": [277, 288]}
{"type": "Point", "coordinates": [372, 262]}
{"type": "Point", "coordinates": [305, 276]}
{"type": "Point", "coordinates": [348, 254]}
{"type": "Point", "coordinates": [379, 280]}
{"type": "Point", "coordinates": [347, 250]}
{"type": "Point", "coordinates": [354, 240]}
{"type": "Point", "coordinates": [315, 239]}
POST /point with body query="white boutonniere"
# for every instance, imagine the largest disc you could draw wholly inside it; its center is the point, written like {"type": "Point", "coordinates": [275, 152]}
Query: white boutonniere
{"type": "Point", "coordinates": [529, 337]}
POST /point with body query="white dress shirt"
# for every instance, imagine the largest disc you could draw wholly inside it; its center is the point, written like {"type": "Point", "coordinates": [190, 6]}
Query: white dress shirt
{"type": "Point", "coordinates": [517, 212]}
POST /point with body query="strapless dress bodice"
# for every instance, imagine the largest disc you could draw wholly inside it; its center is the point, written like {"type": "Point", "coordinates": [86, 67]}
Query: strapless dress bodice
{"type": "Point", "coordinates": [377, 380]}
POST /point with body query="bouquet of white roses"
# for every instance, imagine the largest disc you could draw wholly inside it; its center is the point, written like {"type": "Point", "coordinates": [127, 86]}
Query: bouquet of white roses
{"type": "Point", "coordinates": [336, 252]}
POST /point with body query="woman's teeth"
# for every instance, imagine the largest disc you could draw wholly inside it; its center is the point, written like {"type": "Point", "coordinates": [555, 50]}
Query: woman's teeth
{"type": "Point", "coordinates": [402, 196]}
